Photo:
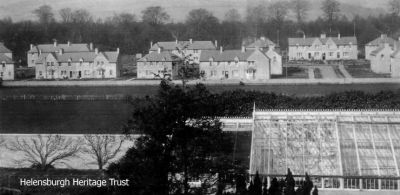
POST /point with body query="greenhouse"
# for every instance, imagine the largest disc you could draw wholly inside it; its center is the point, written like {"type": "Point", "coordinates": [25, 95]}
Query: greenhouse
{"type": "Point", "coordinates": [339, 149]}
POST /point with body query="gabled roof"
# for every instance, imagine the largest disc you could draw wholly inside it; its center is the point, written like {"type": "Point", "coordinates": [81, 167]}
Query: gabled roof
{"type": "Point", "coordinates": [112, 56]}
{"type": "Point", "coordinates": [6, 59]}
{"type": "Point", "coordinates": [4, 49]}
{"type": "Point", "coordinates": [73, 47]}
{"type": "Point", "coordinates": [166, 56]}
{"type": "Point", "coordinates": [396, 54]}
{"type": "Point", "coordinates": [225, 56]}
{"type": "Point", "coordinates": [77, 56]}
{"type": "Point", "coordinates": [382, 40]}
{"type": "Point", "coordinates": [172, 45]}
{"type": "Point", "coordinates": [261, 43]}
{"type": "Point", "coordinates": [308, 41]}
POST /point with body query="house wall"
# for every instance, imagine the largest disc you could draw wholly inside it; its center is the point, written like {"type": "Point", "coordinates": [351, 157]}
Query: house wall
{"type": "Point", "coordinates": [239, 70]}
{"type": "Point", "coordinates": [32, 57]}
{"type": "Point", "coordinates": [368, 50]}
{"type": "Point", "coordinates": [381, 62]}
{"type": "Point", "coordinates": [7, 71]}
{"type": "Point", "coordinates": [332, 52]}
{"type": "Point", "coordinates": [395, 62]}
{"type": "Point", "coordinates": [146, 70]}
{"type": "Point", "coordinates": [276, 62]}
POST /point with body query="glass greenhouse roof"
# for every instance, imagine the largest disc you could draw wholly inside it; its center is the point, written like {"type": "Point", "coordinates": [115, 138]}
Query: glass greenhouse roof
{"type": "Point", "coordinates": [326, 143]}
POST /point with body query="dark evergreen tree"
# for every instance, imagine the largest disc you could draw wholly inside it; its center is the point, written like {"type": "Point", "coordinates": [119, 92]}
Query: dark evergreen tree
{"type": "Point", "coordinates": [308, 185]}
{"type": "Point", "coordinates": [240, 184]}
{"type": "Point", "coordinates": [290, 183]}
{"type": "Point", "coordinates": [315, 191]}
{"type": "Point", "coordinates": [275, 188]}
{"type": "Point", "coordinates": [257, 186]}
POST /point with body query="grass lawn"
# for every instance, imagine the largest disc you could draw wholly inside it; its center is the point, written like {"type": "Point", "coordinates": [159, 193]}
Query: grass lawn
{"type": "Point", "coordinates": [317, 73]}
{"type": "Point", "coordinates": [363, 71]}
{"type": "Point", "coordinates": [292, 73]}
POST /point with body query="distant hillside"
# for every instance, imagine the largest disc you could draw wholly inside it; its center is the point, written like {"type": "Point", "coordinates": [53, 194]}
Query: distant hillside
{"type": "Point", "coordinates": [178, 9]}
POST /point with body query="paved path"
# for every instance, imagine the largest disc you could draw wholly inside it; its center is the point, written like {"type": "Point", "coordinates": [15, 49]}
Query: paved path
{"type": "Point", "coordinates": [328, 72]}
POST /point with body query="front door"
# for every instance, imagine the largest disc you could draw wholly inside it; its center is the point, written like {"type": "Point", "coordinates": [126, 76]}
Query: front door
{"type": "Point", "coordinates": [226, 74]}
{"type": "Point", "coordinates": [323, 56]}
{"type": "Point", "coordinates": [309, 56]}
{"type": "Point", "coordinates": [70, 74]}
{"type": "Point", "coordinates": [79, 74]}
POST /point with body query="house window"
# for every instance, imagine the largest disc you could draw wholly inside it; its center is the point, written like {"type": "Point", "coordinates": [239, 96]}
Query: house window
{"type": "Point", "coordinates": [48, 63]}
{"type": "Point", "coordinates": [195, 51]}
{"type": "Point", "coordinates": [99, 71]}
{"type": "Point", "coordinates": [213, 73]}
{"type": "Point", "coordinates": [1, 74]}
{"type": "Point", "coordinates": [40, 73]}
{"type": "Point", "coordinates": [331, 54]}
{"type": "Point", "coordinates": [111, 72]}
{"type": "Point", "coordinates": [151, 63]}
{"type": "Point", "coordinates": [87, 72]}
{"type": "Point", "coordinates": [52, 63]}
{"type": "Point", "coordinates": [235, 73]}
{"type": "Point", "coordinates": [69, 63]}
{"type": "Point", "coordinates": [3, 64]}
{"type": "Point", "coordinates": [229, 62]}
{"type": "Point", "coordinates": [274, 59]}
{"type": "Point", "coordinates": [382, 56]}
{"type": "Point", "coordinates": [202, 73]}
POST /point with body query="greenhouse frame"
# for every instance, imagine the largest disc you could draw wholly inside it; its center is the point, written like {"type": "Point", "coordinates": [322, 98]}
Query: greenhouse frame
{"type": "Point", "coordinates": [339, 149]}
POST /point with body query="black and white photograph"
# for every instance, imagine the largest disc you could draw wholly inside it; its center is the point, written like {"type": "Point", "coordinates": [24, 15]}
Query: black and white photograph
{"type": "Point", "coordinates": [193, 97]}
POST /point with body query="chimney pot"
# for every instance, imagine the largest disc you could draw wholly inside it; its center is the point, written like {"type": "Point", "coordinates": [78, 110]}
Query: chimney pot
{"type": "Point", "coordinates": [243, 49]}
{"type": "Point", "coordinates": [221, 49]}
{"type": "Point", "coordinates": [118, 50]}
{"type": "Point", "coordinates": [191, 41]}
{"type": "Point", "coordinates": [216, 43]}
{"type": "Point", "coordinates": [55, 43]}
{"type": "Point", "coordinates": [338, 35]}
{"type": "Point", "coordinates": [151, 44]}
{"type": "Point", "coordinates": [91, 46]}
{"type": "Point", "coordinates": [32, 46]}
{"type": "Point", "coordinates": [96, 51]}
{"type": "Point", "coordinates": [159, 50]}
{"type": "Point", "coordinates": [61, 52]}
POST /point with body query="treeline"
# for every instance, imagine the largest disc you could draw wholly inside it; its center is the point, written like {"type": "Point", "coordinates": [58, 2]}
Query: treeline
{"type": "Point", "coordinates": [133, 32]}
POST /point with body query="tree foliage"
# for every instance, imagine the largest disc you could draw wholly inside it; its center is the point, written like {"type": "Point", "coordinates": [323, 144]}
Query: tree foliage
{"type": "Point", "coordinates": [155, 15]}
{"type": "Point", "coordinates": [300, 9]}
{"type": "Point", "coordinates": [331, 9]}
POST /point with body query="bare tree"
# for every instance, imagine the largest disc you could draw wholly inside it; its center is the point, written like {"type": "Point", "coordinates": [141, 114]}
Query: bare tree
{"type": "Point", "coordinates": [278, 12]}
{"type": "Point", "coordinates": [45, 151]}
{"type": "Point", "coordinates": [66, 15]}
{"type": "Point", "coordinates": [155, 15]}
{"type": "Point", "coordinates": [394, 7]}
{"type": "Point", "coordinates": [44, 14]}
{"type": "Point", "coordinates": [232, 15]}
{"type": "Point", "coordinates": [256, 16]}
{"type": "Point", "coordinates": [102, 148]}
{"type": "Point", "coordinates": [331, 9]}
{"type": "Point", "coordinates": [81, 16]}
{"type": "Point", "coordinates": [300, 9]}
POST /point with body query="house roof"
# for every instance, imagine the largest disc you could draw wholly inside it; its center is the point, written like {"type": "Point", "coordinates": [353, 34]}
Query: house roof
{"type": "Point", "coordinates": [4, 58]}
{"type": "Point", "coordinates": [396, 54]}
{"type": "Point", "coordinates": [382, 40]}
{"type": "Point", "coordinates": [167, 56]}
{"type": "Point", "coordinates": [261, 43]}
{"type": "Point", "coordinates": [77, 56]}
{"type": "Point", "coordinates": [73, 47]}
{"type": "Point", "coordinates": [4, 49]}
{"type": "Point", "coordinates": [310, 40]}
{"type": "Point", "coordinates": [172, 45]}
{"type": "Point", "coordinates": [225, 56]}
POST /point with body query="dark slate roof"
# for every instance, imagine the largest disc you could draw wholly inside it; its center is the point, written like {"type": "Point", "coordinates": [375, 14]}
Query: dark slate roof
{"type": "Point", "coordinates": [157, 57]}
{"type": "Point", "coordinates": [261, 43]}
{"type": "Point", "coordinates": [172, 45]}
{"type": "Point", "coordinates": [4, 49]}
{"type": "Point", "coordinates": [225, 56]}
{"type": "Point", "coordinates": [309, 40]}
{"type": "Point", "coordinates": [382, 40]}
{"type": "Point", "coordinates": [4, 58]}
{"type": "Point", "coordinates": [73, 47]}
{"type": "Point", "coordinates": [76, 57]}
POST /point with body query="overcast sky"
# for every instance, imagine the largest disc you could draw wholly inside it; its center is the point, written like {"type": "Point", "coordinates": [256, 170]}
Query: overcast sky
{"type": "Point", "coordinates": [178, 9]}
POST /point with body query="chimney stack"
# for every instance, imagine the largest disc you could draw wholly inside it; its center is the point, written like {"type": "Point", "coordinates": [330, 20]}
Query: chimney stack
{"type": "Point", "coordinates": [176, 41]}
{"type": "Point", "coordinates": [91, 46]}
{"type": "Point", "coordinates": [216, 43]}
{"type": "Point", "coordinates": [32, 45]}
{"type": "Point", "coordinates": [323, 36]}
{"type": "Point", "coordinates": [61, 52]}
{"type": "Point", "coordinates": [151, 44]}
{"type": "Point", "coordinates": [338, 36]}
{"type": "Point", "coordinates": [96, 51]}
{"type": "Point", "coordinates": [243, 49]}
{"type": "Point", "coordinates": [69, 43]}
{"type": "Point", "coordinates": [40, 52]}
{"type": "Point", "coordinates": [159, 49]}
{"type": "Point", "coordinates": [191, 41]}
{"type": "Point", "coordinates": [383, 36]}
{"type": "Point", "coordinates": [304, 35]}
{"type": "Point", "coordinates": [118, 50]}
{"type": "Point", "coordinates": [55, 43]}
{"type": "Point", "coordinates": [221, 49]}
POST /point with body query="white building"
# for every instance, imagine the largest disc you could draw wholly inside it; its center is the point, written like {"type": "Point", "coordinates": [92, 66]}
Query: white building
{"type": "Point", "coordinates": [395, 64]}
{"type": "Point", "coordinates": [157, 64]}
{"type": "Point", "coordinates": [244, 64]}
{"type": "Point", "coordinates": [377, 43]}
{"type": "Point", "coordinates": [270, 49]}
{"type": "Point", "coordinates": [323, 48]}
{"type": "Point", "coordinates": [7, 67]}
{"type": "Point", "coordinates": [36, 50]}
{"type": "Point", "coordinates": [381, 59]}
{"type": "Point", "coordinates": [78, 65]}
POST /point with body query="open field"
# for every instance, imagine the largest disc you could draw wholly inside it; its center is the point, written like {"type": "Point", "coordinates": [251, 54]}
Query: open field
{"type": "Point", "coordinates": [71, 117]}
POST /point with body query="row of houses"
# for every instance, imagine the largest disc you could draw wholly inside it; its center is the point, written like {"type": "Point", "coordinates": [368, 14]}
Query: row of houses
{"type": "Point", "coordinates": [256, 61]}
